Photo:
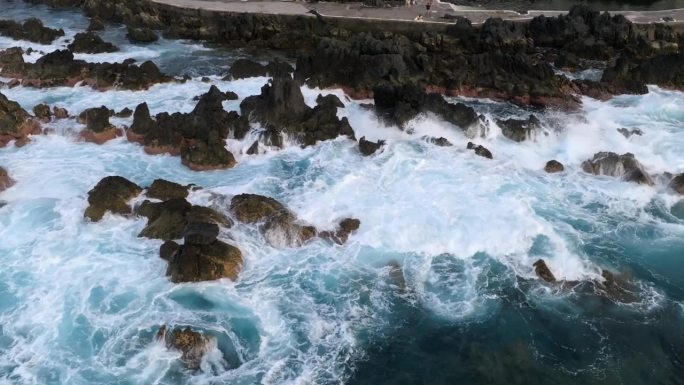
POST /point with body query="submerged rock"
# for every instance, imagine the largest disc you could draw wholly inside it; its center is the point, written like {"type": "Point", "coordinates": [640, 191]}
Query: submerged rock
{"type": "Point", "coordinates": [164, 190]}
{"type": "Point", "coordinates": [90, 42]}
{"type": "Point", "coordinates": [623, 166]}
{"type": "Point", "coordinates": [368, 148]}
{"type": "Point", "coordinates": [15, 123]}
{"type": "Point", "coordinates": [441, 141]}
{"type": "Point", "coordinates": [5, 180]}
{"type": "Point", "coordinates": [278, 224]}
{"type": "Point", "coordinates": [60, 113]}
{"type": "Point", "coordinates": [141, 35]}
{"type": "Point", "coordinates": [59, 68]}
{"type": "Point", "coordinates": [111, 194]}
{"type": "Point", "coordinates": [554, 166]}
{"type": "Point", "coordinates": [480, 150]}
{"type": "Point", "coordinates": [519, 129]}
{"type": "Point", "coordinates": [329, 100]}
{"type": "Point", "coordinates": [31, 30]}
{"type": "Point", "coordinates": [280, 108]}
{"type": "Point", "coordinates": [192, 345]}
{"type": "Point", "coordinates": [543, 271]}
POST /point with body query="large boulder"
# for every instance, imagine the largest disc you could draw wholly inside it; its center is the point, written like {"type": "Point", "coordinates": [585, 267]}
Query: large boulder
{"type": "Point", "coordinates": [164, 190]}
{"type": "Point", "coordinates": [98, 129]}
{"type": "Point", "coordinates": [623, 166]}
{"type": "Point", "coordinates": [280, 108]}
{"type": "Point", "coordinates": [192, 345]}
{"type": "Point", "coordinates": [42, 112]}
{"type": "Point", "coordinates": [15, 123]}
{"type": "Point", "coordinates": [279, 225]}
{"type": "Point", "coordinates": [168, 220]}
{"type": "Point", "coordinates": [195, 262]}
{"type": "Point", "coordinates": [203, 155]}
{"type": "Point", "coordinates": [141, 35]}
{"type": "Point", "coordinates": [519, 129]}
{"type": "Point", "coordinates": [90, 42]}
{"type": "Point", "coordinates": [31, 30]}
{"type": "Point", "coordinates": [480, 150]}
{"type": "Point", "coordinates": [5, 180]}
{"type": "Point", "coordinates": [111, 194]}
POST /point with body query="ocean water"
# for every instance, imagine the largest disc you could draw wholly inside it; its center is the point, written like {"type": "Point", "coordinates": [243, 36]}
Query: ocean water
{"type": "Point", "coordinates": [437, 286]}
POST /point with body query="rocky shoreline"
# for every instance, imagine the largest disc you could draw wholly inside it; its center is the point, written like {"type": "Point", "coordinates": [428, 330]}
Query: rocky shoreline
{"type": "Point", "coordinates": [405, 72]}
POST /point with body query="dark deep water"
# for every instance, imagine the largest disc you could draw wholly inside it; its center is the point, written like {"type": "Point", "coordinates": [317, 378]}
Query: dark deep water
{"type": "Point", "coordinates": [80, 303]}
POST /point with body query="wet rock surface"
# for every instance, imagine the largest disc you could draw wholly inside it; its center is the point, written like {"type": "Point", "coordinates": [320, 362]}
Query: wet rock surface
{"type": "Point", "coordinates": [90, 42]}
{"type": "Point", "coordinates": [554, 166]}
{"type": "Point", "coordinates": [5, 180]}
{"type": "Point", "coordinates": [198, 137]}
{"type": "Point", "coordinates": [245, 68]}
{"type": "Point", "coordinates": [31, 30]}
{"type": "Point", "coordinates": [543, 271]}
{"type": "Point", "coordinates": [623, 166]}
{"type": "Point", "coordinates": [479, 150]}
{"type": "Point", "coordinates": [369, 148]}
{"type": "Point", "coordinates": [141, 35]}
{"type": "Point", "coordinates": [519, 129]}
{"type": "Point", "coordinates": [164, 190]}
{"type": "Point", "coordinates": [59, 68]}
{"type": "Point", "coordinates": [111, 194]}
{"type": "Point", "coordinates": [398, 104]}
{"type": "Point", "coordinates": [15, 123]}
{"type": "Point", "coordinates": [280, 108]}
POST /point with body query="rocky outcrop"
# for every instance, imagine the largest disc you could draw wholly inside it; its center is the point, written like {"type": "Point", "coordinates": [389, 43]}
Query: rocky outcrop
{"type": "Point", "coordinates": [368, 148]}
{"type": "Point", "coordinates": [31, 30]}
{"type": "Point", "coordinates": [554, 166]}
{"type": "Point", "coordinates": [90, 42]}
{"type": "Point", "coordinates": [631, 75]}
{"type": "Point", "coordinates": [398, 104]}
{"type": "Point", "coordinates": [245, 68]}
{"type": "Point", "coordinates": [111, 194]}
{"type": "Point", "coordinates": [202, 257]}
{"type": "Point", "coordinates": [96, 24]}
{"type": "Point", "coordinates": [519, 130]}
{"type": "Point", "coordinates": [441, 141]}
{"type": "Point", "coordinates": [623, 166]}
{"type": "Point", "coordinates": [168, 220]}
{"type": "Point", "coordinates": [677, 184]}
{"type": "Point", "coordinates": [329, 100]}
{"type": "Point", "coordinates": [141, 35]}
{"type": "Point", "coordinates": [59, 68]}
{"type": "Point", "coordinates": [164, 190]}
{"type": "Point", "coordinates": [198, 137]}
{"type": "Point", "coordinates": [192, 345]}
{"type": "Point", "coordinates": [98, 129]}
{"type": "Point", "coordinates": [480, 150]}
{"type": "Point", "coordinates": [15, 123]}
{"type": "Point", "coordinates": [279, 225]}
{"type": "Point", "coordinates": [5, 180]}
{"type": "Point", "coordinates": [60, 113]}
{"type": "Point", "coordinates": [280, 108]}
{"type": "Point", "coordinates": [543, 271]}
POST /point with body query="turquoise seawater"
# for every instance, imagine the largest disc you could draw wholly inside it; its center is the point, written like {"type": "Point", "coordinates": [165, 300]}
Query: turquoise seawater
{"type": "Point", "coordinates": [437, 287]}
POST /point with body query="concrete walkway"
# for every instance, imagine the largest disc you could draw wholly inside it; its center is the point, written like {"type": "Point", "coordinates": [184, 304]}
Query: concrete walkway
{"type": "Point", "coordinates": [359, 11]}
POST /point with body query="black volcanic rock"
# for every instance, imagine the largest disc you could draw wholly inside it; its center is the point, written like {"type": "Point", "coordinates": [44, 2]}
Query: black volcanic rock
{"type": "Point", "coordinates": [31, 30]}
{"type": "Point", "coordinates": [90, 42]}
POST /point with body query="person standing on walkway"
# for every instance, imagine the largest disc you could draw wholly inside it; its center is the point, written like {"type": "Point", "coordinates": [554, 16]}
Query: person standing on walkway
{"type": "Point", "coordinates": [428, 5]}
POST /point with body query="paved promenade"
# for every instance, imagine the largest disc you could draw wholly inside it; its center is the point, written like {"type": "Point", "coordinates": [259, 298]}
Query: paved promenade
{"type": "Point", "coordinates": [359, 11]}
